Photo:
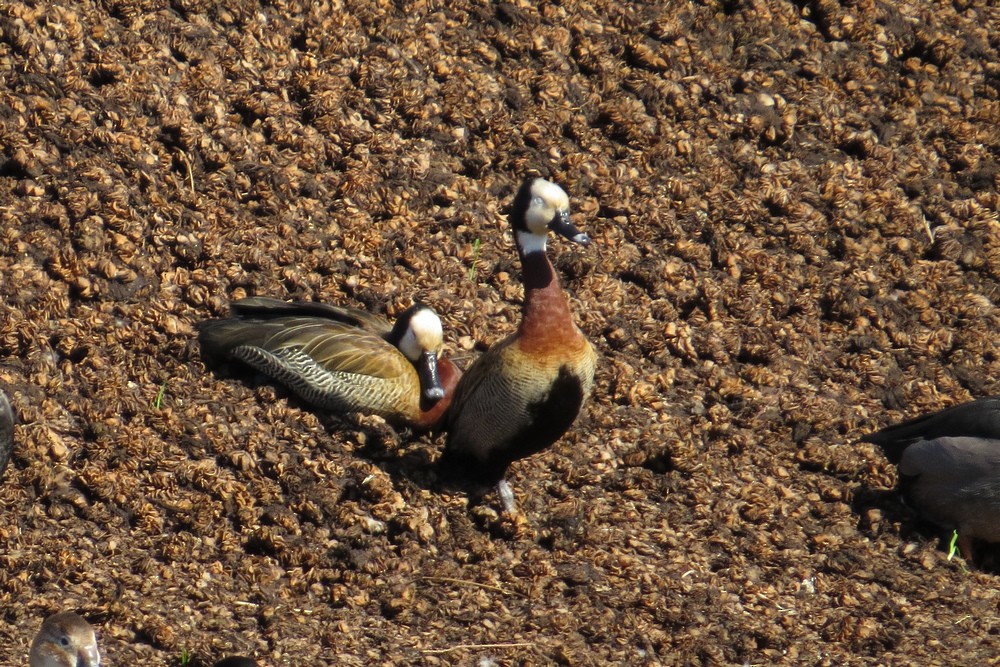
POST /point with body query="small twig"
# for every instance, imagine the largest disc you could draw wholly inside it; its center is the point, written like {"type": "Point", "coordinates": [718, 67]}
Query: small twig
{"type": "Point", "coordinates": [466, 582]}
{"type": "Point", "coordinates": [927, 227]}
{"type": "Point", "coordinates": [460, 647]}
{"type": "Point", "coordinates": [297, 610]}
{"type": "Point", "coordinates": [190, 171]}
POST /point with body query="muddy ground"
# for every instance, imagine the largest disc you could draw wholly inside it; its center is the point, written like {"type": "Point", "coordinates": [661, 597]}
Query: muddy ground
{"type": "Point", "coordinates": [795, 215]}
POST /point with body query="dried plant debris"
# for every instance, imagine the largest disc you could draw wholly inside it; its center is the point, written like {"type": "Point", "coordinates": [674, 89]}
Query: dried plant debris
{"type": "Point", "coordinates": [794, 211]}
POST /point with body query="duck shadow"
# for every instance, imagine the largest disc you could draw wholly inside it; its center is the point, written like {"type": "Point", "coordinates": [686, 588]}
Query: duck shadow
{"type": "Point", "coordinates": [406, 455]}
{"type": "Point", "coordinates": [893, 512]}
{"type": "Point", "coordinates": [411, 459]}
{"type": "Point", "coordinates": [912, 528]}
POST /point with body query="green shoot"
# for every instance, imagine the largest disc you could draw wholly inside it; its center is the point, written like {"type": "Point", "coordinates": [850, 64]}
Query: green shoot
{"type": "Point", "coordinates": [158, 401]}
{"type": "Point", "coordinates": [475, 260]}
{"type": "Point", "coordinates": [185, 657]}
{"type": "Point", "coordinates": [953, 545]}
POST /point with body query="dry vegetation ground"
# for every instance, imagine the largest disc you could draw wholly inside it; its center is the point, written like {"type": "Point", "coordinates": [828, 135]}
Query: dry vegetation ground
{"type": "Point", "coordinates": [794, 207]}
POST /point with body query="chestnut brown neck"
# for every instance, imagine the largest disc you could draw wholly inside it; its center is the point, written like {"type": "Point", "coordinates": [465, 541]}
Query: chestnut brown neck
{"type": "Point", "coordinates": [546, 320]}
{"type": "Point", "coordinates": [448, 375]}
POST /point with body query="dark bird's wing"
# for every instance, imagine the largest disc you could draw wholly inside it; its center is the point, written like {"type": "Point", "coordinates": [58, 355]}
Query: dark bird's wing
{"type": "Point", "coordinates": [958, 461]}
{"type": "Point", "coordinates": [975, 419]}
{"type": "Point", "coordinates": [261, 307]}
{"type": "Point", "coordinates": [332, 365]}
{"type": "Point", "coordinates": [328, 345]}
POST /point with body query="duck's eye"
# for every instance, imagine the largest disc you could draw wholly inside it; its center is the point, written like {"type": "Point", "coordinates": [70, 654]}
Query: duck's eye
{"type": "Point", "coordinates": [64, 640]}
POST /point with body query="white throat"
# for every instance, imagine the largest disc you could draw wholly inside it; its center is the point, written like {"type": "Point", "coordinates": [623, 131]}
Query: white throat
{"type": "Point", "coordinates": [529, 243]}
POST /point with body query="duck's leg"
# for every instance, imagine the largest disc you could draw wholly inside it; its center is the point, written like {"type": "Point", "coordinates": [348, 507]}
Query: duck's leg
{"type": "Point", "coordinates": [965, 548]}
{"type": "Point", "coordinates": [506, 497]}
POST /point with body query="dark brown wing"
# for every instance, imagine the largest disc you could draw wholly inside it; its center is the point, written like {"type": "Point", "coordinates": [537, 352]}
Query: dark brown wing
{"type": "Point", "coordinates": [262, 307]}
{"type": "Point", "coordinates": [331, 345]}
{"type": "Point", "coordinates": [975, 419]}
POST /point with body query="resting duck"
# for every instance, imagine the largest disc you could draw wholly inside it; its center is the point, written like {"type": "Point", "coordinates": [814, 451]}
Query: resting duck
{"type": "Point", "coordinates": [949, 468]}
{"type": "Point", "coordinates": [522, 394]}
{"type": "Point", "coordinates": [65, 640]}
{"type": "Point", "coordinates": [342, 359]}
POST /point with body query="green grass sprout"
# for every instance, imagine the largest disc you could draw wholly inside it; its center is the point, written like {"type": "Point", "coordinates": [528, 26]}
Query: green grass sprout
{"type": "Point", "coordinates": [158, 401]}
{"type": "Point", "coordinates": [953, 545]}
{"type": "Point", "coordinates": [475, 260]}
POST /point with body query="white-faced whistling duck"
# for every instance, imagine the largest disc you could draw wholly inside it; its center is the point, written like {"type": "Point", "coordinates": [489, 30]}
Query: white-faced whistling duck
{"type": "Point", "coordinates": [342, 359]}
{"type": "Point", "coordinates": [523, 393]}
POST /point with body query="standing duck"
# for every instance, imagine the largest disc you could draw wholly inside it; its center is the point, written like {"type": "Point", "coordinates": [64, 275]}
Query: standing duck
{"type": "Point", "coordinates": [65, 640]}
{"type": "Point", "coordinates": [342, 359]}
{"type": "Point", "coordinates": [949, 468]}
{"type": "Point", "coordinates": [522, 394]}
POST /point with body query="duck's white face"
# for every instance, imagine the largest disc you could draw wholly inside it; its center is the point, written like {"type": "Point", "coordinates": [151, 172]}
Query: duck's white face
{"type": "Point", "coordinates": [424, 334]}
{"type": "Point", "coordinates": [547, 201]}
{"type": "Point", "coordinates": [547, 209]}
